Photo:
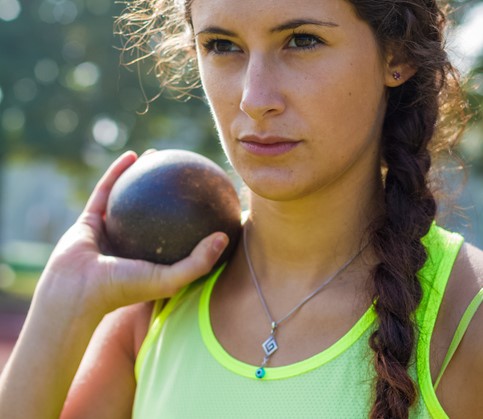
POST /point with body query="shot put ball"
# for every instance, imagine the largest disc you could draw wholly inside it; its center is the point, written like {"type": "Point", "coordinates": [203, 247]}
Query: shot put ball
{"type": "Point", "coordinates": [166, 202]}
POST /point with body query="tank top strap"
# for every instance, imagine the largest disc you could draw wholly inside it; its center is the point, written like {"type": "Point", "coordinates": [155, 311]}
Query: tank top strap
{"type": "Point", "coordinates": [161, 311]}
{"type": "Point", "coordinates": [460, 332]}
{"type": "Point", "coordinates": [442, 249]}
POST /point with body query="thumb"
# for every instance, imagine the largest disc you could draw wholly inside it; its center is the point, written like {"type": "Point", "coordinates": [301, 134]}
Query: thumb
{"type": "Point", "coordinates": [198, 263]}
{"type": "Point", "coordinates": [136, 280]}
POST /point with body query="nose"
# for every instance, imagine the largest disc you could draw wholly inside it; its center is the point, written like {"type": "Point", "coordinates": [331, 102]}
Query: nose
{"type": "Point", "coordinates": [261, 94]}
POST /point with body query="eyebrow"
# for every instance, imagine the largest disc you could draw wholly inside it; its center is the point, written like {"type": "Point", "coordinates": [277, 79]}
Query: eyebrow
{"type": "Point", "coordinates": [290, 25]}
{"type": "Point", "coordinates": [216, 30]}
{"type": "Point", "coordinates": [295, 23]}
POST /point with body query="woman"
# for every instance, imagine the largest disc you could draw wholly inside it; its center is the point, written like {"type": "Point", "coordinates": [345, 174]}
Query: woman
{"type": "Point", "coordinates": [327, 110]}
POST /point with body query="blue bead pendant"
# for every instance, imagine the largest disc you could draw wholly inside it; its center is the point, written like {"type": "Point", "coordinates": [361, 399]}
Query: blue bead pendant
{"type": "Point", "coordinates": [269, 347]}
{"type": "Point", "coordinates": [260, 373]}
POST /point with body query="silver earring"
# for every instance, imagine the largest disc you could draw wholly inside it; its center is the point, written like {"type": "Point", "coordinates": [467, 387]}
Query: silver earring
{"type": "Point", "coordinates": [396, 75]}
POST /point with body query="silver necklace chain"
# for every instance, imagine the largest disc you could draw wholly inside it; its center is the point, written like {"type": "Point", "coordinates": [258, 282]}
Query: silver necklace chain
{"type": "Point", "coordinates": [270, 345]}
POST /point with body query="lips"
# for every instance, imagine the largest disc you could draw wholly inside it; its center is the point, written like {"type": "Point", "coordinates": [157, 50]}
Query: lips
{"type": "Point", "coordinates": [268, 145]}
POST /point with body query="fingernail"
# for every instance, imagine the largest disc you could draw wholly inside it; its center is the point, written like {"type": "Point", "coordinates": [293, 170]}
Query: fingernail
{"type": "Point", "coordinates": [220, 243]}
{"type": "Point", "coordinates": [149, 151]}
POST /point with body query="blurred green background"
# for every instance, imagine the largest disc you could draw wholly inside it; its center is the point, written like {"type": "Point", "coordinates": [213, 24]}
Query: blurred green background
{"type": "Point", "coordinates": [67, 109]}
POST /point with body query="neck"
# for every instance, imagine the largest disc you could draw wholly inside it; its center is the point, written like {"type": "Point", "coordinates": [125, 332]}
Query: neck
{"type": "Point", "coordinates": [311, 237]}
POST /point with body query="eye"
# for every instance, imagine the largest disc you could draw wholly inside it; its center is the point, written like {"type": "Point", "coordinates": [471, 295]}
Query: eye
{"type": "Point", "coordinates": [304, 41]}
{"type": "Point", "coordinates": [220, 46]}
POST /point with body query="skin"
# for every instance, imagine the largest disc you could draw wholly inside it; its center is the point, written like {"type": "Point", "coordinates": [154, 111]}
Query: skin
{"type": "Point", "coordinates": [320, 195]}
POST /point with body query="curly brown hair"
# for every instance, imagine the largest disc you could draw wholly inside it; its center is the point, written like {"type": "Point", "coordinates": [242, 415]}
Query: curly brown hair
{"type": "Point", "coordinates": [159, 31]}
{"type": "Point", "coordinates": [425, 115]}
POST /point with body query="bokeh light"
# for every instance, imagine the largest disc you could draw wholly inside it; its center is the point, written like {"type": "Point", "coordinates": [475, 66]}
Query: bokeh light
{"type": "Point", "coordinates": [86, 74]}
{"type": "Point", "coordinates": [83, 76]}
{"type": "Point", "coordinates": [109, 133]}
{"type": "Point", "coordinates": [9, 10]}
{"type": "Point", "coordinates": [58, 11]}
{"type": "Point", "coordinates": [65, 121]}
{"type": "Point", "coordinates": [46, 71]}
{"type": "Point", "coordinates": [25, 90]}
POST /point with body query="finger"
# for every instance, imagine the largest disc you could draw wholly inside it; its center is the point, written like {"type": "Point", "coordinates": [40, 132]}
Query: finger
{"type": "Point", "coordinates": [98, 200]}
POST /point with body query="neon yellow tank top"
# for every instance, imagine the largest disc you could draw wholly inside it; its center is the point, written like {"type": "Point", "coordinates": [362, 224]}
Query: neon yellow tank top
{"type": "Point", "coordinates": [182, 371]}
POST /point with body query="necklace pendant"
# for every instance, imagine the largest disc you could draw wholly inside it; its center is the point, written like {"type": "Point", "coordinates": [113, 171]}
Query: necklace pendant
{"type": "Point", "coordinates": [270, 346]}
{"type": "Point", "coordinates": [260, 373]}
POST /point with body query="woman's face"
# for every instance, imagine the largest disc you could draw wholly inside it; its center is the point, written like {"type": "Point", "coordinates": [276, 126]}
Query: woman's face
{"type": "Point", "coordinates": [297, 90]}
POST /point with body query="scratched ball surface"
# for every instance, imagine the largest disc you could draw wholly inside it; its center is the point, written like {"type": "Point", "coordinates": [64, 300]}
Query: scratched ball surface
{"type": "Point", "coordinates": [166, 202]}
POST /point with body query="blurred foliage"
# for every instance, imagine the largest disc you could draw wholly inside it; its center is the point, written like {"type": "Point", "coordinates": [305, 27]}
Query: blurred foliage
{"type": "Point", "coordinates": [63, 94]}
{"type": "Point", "coordinates": [472, 147]}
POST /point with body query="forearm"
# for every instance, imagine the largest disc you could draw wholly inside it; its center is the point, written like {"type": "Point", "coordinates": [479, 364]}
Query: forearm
{"type": "Point", "coordinates": [42, 366]}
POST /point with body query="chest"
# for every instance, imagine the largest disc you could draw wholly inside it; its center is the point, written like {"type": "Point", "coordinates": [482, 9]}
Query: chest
{"type": "Point", "coordinates": [187, 373]}
{"type": "Point", "coordinates": [242, 323]}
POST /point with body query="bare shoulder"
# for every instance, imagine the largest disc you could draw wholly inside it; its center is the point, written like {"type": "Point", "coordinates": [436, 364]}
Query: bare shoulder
{"type": "Point", "coordinates": [125, 327]}
{"type": "Point", "coordinates": [470, 265]}
{"type": "Point", "coordinates": [461, 386]}
{"type": "Point", "coordinates": [465, 282]}
{"type": "Point", "coordinates": [132, 322]}
{"type": "Point", "coordinates": [469, 269]}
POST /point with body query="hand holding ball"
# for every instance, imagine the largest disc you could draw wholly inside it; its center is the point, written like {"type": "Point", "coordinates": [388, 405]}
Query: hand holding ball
{"type": "Point", "coordinates": [166, 203]}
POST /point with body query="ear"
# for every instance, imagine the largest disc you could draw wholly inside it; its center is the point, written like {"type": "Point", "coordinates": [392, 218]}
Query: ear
{"type": "Point", "coordinates": [397, 70]}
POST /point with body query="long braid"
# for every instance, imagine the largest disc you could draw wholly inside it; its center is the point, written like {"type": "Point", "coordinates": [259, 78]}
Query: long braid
{"type": "Point", "coordinates": [410, 210]}
{"type": "Point", "coordinates": [414, 28]}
